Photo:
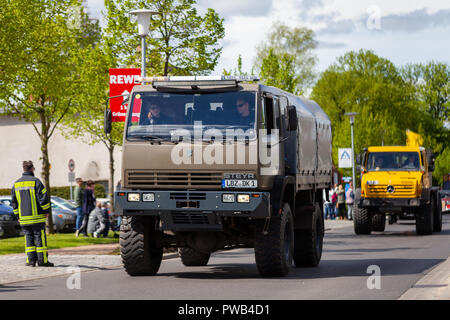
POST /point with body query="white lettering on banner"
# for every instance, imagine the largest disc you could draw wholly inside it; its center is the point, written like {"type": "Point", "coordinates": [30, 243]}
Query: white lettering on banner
{"type": "Point", "coordinates": [123, 79]}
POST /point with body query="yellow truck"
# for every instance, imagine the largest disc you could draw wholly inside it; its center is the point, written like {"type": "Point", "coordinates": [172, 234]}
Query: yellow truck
{"type": "Point", "coordinates": [396, 181]}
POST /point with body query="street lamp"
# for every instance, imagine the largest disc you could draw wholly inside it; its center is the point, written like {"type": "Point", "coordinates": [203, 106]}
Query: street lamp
{"type": "Point", "coordinates": [352, 115]}
{"type": "Point", "coordinates": [143, 18]}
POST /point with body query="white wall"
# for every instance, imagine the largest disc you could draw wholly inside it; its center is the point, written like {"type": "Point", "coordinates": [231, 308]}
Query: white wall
{"type": "Point", "coordinates": [19, 141]}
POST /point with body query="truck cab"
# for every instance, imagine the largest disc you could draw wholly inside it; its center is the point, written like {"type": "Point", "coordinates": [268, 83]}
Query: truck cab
{"type": "Point", "coordinates": [396, 181]}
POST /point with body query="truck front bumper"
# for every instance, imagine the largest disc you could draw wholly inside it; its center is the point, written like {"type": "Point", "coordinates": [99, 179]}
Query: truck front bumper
{"type": "Point", "coordinates": [191, 210]}
{"type": "Point", "coordinates": [390, 202]}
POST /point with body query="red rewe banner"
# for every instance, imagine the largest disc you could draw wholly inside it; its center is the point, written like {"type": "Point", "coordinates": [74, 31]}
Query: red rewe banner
{"type": "Point", "coordinates": [121, 81]}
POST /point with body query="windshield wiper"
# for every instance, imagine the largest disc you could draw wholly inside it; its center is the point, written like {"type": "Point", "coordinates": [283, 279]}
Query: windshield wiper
{"type": "Point", "coordinates": [150, 138]}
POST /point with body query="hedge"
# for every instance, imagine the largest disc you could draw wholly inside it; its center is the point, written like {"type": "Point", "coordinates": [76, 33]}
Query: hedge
{"type": "Point", "coordinates": [64, 192]}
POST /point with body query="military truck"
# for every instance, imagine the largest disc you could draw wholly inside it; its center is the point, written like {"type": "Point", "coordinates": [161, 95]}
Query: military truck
{"type": "Point", "coordinates": [216, 163]}
{"type": "Point", "coordinates": [396, 181]}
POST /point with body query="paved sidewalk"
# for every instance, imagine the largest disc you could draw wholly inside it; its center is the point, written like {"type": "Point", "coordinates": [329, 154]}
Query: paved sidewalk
{"type": "Point", "coordinates": [87, 258]}
{"type": "Point", "coordinates": [433, 286]}
{"type": "Point", "coordinates": [337, 224]}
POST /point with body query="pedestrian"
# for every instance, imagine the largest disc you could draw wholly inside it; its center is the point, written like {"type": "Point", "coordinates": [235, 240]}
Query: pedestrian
{"type": "Point", "coordinates": [340, 207]}
{"type": "Point", "coordinates": [31, 203]}
{"type": "Point", "coordinates": [334, 201]}
{"type": "Point", "coordinates": [350, 199]}
{"type": "Point", "coordinates": [79, 203]}
{"type": "Point", "coordinates": [105, 213]}
{"type": "Point", "coordinates": [88, 205]}
{"type": "Point", "coordinates": [328, 205]}
{"type": "Point", "coordinates": [97, 221]}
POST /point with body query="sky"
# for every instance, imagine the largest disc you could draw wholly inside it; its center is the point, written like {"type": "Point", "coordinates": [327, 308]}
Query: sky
{"type": "Point", "coordinates": [403, 31]}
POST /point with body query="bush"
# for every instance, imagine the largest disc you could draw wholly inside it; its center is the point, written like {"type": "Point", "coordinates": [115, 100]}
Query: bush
{"type": "Point", "coordinates": [64, 192]}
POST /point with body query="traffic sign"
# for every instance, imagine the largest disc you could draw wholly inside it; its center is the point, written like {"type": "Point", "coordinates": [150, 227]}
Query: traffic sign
{"type": "Point", "coordinates": [71, 165]}
{"type": "Point", "coordinates": [121, 82]}
{"type": "Point", "coordinates": [345, 158]}
{"type": "Point", "coordinates": [71, 176]}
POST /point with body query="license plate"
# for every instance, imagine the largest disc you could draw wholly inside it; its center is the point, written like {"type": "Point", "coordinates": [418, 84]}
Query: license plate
{"type": "Point", "coordinates": [234, 183]}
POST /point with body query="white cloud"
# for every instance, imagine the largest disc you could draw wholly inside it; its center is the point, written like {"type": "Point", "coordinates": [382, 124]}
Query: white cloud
{"type": "Point", "coordinates": [247, 23]}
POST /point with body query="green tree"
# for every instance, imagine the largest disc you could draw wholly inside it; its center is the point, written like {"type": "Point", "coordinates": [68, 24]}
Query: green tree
{"type": "Point", "coordinates": [278, 71]}
{"type": "Point", "coordinates": [41, 59]}
{"type": "Point", "coordinates": [432, 83]}
{"type": "Point", "coordinates": [442, 165]}
{"type": "Point", "coordinates": [372, 86]}
{"type": "Point", "coordinates": [181, 41]}
{"type": "Point", "coordinates": [287, 51]}
{"type": "Point", "coordinates": [87, 124]}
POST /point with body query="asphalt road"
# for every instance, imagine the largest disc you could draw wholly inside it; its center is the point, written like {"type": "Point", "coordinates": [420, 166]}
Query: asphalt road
{"type": "Point", "coordinates": [403, 258]}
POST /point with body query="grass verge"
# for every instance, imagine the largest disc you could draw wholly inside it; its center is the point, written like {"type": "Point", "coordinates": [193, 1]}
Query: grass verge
{"type": "Point", "coordinates": [54, 241]}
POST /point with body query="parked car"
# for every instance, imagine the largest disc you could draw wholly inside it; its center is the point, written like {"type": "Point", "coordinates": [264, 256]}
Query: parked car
{"type": "Point", "coordinates": [63, 203]}
{"type": "Point", "coordinates": [9, 224]}
{"type": "Point", "coordinates": [63, 219]}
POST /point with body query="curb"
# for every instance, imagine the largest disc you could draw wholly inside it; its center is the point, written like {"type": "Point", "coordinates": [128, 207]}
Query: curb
{"type": "Point", "coordinates": [435, 285]}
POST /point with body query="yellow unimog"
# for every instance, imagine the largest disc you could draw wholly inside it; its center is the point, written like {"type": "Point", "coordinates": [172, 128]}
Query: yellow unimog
{"type": "Point", "coordinates": [396, 181]}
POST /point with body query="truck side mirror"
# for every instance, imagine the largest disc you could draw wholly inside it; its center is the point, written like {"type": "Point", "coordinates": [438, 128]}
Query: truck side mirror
{"type": "Point", "coordinates": [108, 121]}
{"type": "Point", "coordinates": [358, 159]}
{"type": "Point", "coordinates": [293, 120]}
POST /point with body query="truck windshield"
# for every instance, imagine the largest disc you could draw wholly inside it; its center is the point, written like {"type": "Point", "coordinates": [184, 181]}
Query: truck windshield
{"type": "Point", "coordinates": [157, 115]}
{"type": "Point", "coordinates": [393, 161]}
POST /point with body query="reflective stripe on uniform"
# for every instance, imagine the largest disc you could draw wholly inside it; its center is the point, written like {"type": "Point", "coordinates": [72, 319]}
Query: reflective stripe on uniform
{"type": "Point", "coordinates": [33, 202]}
{"type": "Point", "coordinates": [44, 191]}
{"type": "Point", "coordinates": [43, 249]}
{"type": "Point", "coordinates": [18, 202]}
{"type": "Point", "coordinates": [24, 185]}
{"type": "Point", "coordinates": [46, 206]}
{"type": "Point", "coordinates": [24, 222]}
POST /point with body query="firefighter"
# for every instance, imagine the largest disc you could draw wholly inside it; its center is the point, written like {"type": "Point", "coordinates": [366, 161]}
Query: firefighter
{"type": "Point", "coordinates": [31, 203]}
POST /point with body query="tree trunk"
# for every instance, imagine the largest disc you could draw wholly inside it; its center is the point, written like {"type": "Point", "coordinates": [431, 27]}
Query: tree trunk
{"type": "Point", "coordinates": [46, 169]}
{"type": "Point", "coordinates": [111, 175]}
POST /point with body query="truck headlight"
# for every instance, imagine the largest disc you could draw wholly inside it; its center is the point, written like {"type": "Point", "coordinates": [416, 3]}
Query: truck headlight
{"type": "Point", "coordinates": [244, 198]}
{"type": "Point", "coordinates": [148, 197]}
{"type": "Point", "coordinates": [228, 198]}
{"type": "Point", "coordinates": [366, 202]}
{"type": "Point", "coordinates": [414, 202]}
{"type": "Point", "coordinates": [134, 197]}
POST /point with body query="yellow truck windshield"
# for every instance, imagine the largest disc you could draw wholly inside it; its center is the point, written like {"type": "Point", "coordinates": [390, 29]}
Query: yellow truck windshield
{"type": "Point", "coordinates": [393, 161]}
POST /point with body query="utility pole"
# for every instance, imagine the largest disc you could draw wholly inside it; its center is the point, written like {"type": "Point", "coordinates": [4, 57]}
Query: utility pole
{"type": "Point", "coordinates": [352, 115]}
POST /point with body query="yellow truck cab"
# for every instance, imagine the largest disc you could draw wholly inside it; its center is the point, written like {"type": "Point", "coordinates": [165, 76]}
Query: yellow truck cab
{"type": "Point", "coordinates": [396, 181]}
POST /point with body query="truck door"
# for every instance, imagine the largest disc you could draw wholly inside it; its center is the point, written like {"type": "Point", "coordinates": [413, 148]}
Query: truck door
{"type": "Point", "coordinates": [274, 125]}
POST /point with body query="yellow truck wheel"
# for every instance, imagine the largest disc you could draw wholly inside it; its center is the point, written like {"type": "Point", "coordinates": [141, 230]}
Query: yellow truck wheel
{"type": "Point", "coordinates": [361, 220]}
{"type": "Point", "coordinates": [424, 220]}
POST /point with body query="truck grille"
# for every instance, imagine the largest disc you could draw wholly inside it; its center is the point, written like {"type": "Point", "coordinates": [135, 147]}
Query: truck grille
{"type": "Point", "coordinates": [400, 191]}
{"type": "Point", "coordinates": [173, 180]}
{"type": "Point", "coordinates": [189, 218]}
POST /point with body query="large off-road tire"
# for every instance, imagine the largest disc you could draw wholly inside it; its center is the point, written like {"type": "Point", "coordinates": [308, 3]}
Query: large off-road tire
{"type": "Point", "coordinates": [437, 219]}
{"type": "Point", "coordinates": [273, 251]}
{"type": "Point", "coordinates": [425, 220]}
{"type": "Point", "coordinates": [308, 243]}
{"type": "Point", "coordinates": [193, 258]}
{"type": "Point", "coordinates": [378, 222]}
{"type": "Point", "coordinates": [361, 220]}
{"type": "Point", "coordinates": [141, 256]}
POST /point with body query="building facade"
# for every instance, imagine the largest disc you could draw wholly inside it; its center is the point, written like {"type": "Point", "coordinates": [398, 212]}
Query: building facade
{"type": "Point", "coordinates": [19, 141]}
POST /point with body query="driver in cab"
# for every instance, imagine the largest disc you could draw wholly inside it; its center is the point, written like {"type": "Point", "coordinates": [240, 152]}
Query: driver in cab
{"type": "Point", "coordinates": [155, 116]}
{"type": "Point", "coordinates": [379, 163]}
{"type": "Point", "coordinates": [245, 115]}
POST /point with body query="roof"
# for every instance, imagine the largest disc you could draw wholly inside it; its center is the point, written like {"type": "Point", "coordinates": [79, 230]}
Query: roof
{"type": "Point", "coordinates": [395, 148]}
